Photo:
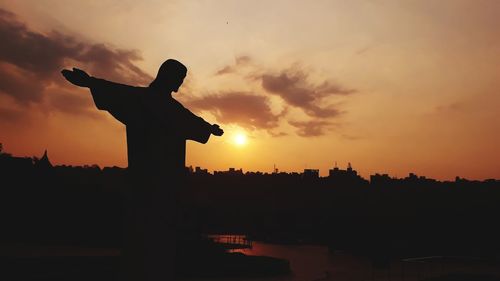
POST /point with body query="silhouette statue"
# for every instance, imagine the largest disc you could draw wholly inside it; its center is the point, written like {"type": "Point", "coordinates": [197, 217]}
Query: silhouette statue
{"type": "Point", "coordinates": [157, 129]}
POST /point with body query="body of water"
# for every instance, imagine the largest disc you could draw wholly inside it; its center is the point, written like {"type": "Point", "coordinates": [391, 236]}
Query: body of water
{"type": "Point", "coordinates": [315, 263]}
{"type": "Point", "coordinates": [308, 263]}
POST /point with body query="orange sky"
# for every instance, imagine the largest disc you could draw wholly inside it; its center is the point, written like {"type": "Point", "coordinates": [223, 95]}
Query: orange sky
{"type": "Point", "coordinates": [390, 86]}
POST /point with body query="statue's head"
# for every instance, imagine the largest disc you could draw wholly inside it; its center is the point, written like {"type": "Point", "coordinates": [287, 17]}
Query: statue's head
{"type": "Point", "coordinates": [170, 76]}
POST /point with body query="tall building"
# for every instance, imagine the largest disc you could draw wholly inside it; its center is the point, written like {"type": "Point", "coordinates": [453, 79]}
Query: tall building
{"type": "Point", "coordinates": [336, 172]}
{"type": "Point", "coordinates": [230, 172]}
{"type": "Point", "coordinates": [381, 179]}
{"type": "Point", "coordinates": [199, 171]}
{"type": "Point", "coordinates": [347, 176]}
{"type": "Point", "coordinates": [311, 173]}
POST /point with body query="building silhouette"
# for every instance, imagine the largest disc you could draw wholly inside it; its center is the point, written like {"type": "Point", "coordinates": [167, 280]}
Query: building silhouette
{"type": "Point", "coordinates": [348, 176]}
{"type": "Point", "coordinates": [310, 174]}
{"type": "Point", "coordinates": [230, 172]}
{"type": "Point", "coordinates": [199, 171]}
{"type": "Point", "coordinates": [43, 162]}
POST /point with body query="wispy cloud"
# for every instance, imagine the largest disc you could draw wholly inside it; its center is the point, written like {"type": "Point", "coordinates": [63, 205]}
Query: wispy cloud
{"type": "Point", "coordinates": [239, 61]}
{"type": "Point", "coordinates": [30, 64]}
{"type": "Point", "coordinates": [312, 128]}
{"type": "Point", "coordinates": [242, 108]}
{"type": "Point", "coordinates": [294, 87]}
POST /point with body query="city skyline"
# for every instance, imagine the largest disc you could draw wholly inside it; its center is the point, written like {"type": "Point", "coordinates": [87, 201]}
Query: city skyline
{"type": "Point", "coordinates": [333, 172]}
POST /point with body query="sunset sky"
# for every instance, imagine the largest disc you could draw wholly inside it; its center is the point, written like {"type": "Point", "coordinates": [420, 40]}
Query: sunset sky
{"type": "Point", "coordinates": [390, 86]}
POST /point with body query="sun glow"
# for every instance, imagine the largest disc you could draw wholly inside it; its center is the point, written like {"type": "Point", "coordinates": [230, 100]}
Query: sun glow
{"type": "Point", "coordinates": [240, 139]}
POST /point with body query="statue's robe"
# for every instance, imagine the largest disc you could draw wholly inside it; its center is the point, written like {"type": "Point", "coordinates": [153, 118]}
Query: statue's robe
{"type": "Point", "coordinates": [157, 129]}
{"type": "Point", "coordinates": [157, 125]}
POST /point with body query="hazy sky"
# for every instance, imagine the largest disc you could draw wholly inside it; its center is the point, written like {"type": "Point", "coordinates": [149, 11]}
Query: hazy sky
{"type": "Point", "coordinates": [390, 86]}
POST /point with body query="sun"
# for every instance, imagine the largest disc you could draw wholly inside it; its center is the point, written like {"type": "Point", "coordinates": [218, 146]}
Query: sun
{"type": "Point", "coordinates": [240, 139]}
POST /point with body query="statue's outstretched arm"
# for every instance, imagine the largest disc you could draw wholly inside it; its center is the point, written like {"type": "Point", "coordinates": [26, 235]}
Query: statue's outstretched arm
{"type": "Point", "coordinates": [119, 100]}
{"type": "Point", "coordinates": [77, 77]}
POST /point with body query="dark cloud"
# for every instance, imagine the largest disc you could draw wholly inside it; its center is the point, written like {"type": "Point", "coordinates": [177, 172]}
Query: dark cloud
{"type": "Point", "coordinates": [293, 87]}
{"type": "Point", "coordinates": [34, 52]}
{"type": "Point", "coordinates": [321, 112]}
{"type": "Point", "coordinates": [241, 108]}
{"type": "Point", "coordinates": [116, 65]}
{"type": "Point", "coordinates": [312, 128]}
{"type": "Point", "coordinates": [30, 65]}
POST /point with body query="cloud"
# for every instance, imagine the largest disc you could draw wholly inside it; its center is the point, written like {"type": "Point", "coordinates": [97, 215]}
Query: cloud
{"type": "Point", "coordinates": [312, 128]}
{"type": "Point", "coordinates": [115, 65]}
{"type": "Point", "coordinates": [76, 103]}
{"type": "Point", "coordinates": [30, 65]}
{"type": "Point", "coordinates": [239, 62]}
{"type": "Point", "coordinates": [241, 108]}
{"type": "Point", "coordinates": [21, 85]}
{"type": "Point", "coordinates": [31, 51]}
{"type": "Point", "coordinates": [10, 115]}
{"type": "Point", "coordinates": [277, 134]}
{"type": "Point", "coordinates": [225, 70]}
{"type": "Point", "coordinates": [293, 87]}
{"type": "Point", "coordinates": [242, 60]}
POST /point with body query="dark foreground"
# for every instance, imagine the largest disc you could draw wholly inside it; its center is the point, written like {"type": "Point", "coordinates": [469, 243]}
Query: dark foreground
{"type": "Point", "coordinates": [107, 267]}
{"type": "Point", "coordinates": [306, 262]}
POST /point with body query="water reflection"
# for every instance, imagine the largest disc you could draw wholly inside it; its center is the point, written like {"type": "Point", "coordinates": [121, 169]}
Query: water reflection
{"type": "Point", "coordinates": [309, 262]}
{"type": "Point", "coordinates": [316, 263]}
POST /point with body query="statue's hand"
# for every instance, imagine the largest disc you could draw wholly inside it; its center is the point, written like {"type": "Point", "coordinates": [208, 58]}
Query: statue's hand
{"type": "Point", "coordinates": [77, 77]}
{"type": "Point", "coordinates": [216, 130]}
